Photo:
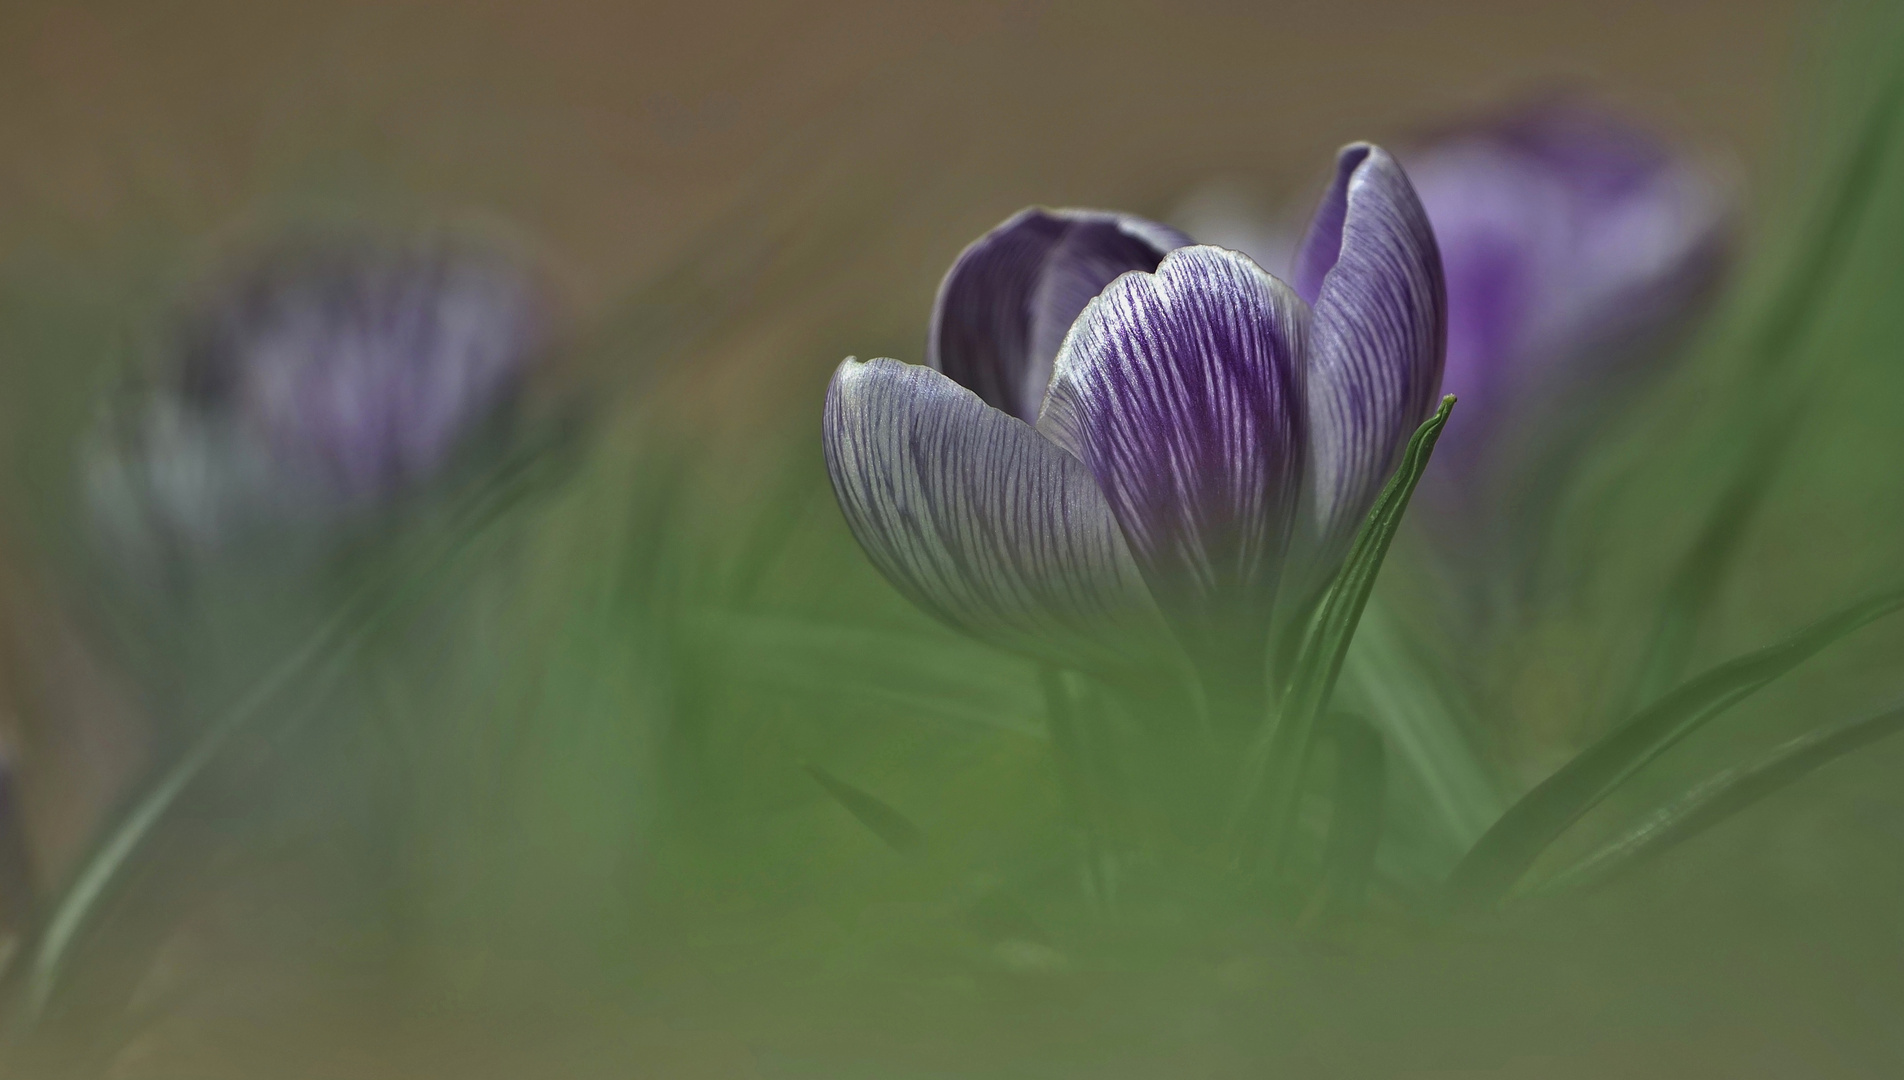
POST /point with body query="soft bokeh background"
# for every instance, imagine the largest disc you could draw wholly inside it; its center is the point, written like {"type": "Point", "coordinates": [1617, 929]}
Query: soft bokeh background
{"type": "Point", "coordinates": [734, 196]}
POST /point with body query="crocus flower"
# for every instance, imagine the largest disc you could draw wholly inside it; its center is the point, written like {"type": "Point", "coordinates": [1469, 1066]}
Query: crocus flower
{"type": "Point", "coordinates": [1575, 244]}
{"type": "Point", "coordinates": [1122, 437]}
{"type": "Point", "coordinates": [317, 381]}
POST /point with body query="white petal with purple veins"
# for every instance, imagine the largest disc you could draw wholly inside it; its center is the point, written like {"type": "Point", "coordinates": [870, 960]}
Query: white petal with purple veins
{"type": "Point", "coordinates": [979, 519]}
{"type": "Point", "coordinates": [1374, 371]}
{"type": "Point", "coordinates": [1182, 391]}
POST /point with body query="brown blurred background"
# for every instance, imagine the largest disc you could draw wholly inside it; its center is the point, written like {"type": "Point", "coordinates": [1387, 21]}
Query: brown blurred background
{"type": "Point", "coordinates": [853, 146]}
{"type": "Point", "coordinates": [614, 130]}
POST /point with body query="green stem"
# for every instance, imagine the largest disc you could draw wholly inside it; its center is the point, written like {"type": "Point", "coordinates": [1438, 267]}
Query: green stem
{"type": "Point", "coordinates": [1075, 775]}
{"type": "Point", "coordinates": [49, 951]}
{"type": "Point", "coordinates": [359, 613]}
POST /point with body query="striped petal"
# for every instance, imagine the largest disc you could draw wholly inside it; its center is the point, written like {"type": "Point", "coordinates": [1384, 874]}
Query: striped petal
{"type": "Point", "coordinates": [980, 520]}
{"type": "Point", "coordinates": [1182, 391]}
{"type": "Point", "coordinates": [1370, 268]}
{"type": "Point", "coordinates": [1009, 299]}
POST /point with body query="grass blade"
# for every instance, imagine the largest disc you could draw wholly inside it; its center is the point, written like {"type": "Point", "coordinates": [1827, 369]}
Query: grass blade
{"type": "Point", "coordinates": [1703, 569]}
{"type": "Point", "coordinates": [1498, 860]}
{"type": "Point", "coordinates": [49, 948]}
{"type": "Point", "coordinates": [323, 652]}
{"type": "Point", "coordinates": [1787, 320]}
{"type": "Point", "coordinates": [1724, 795]}
{"type": "Point", "coordinates": [1274, 766]}
{"type": "Point", "coordinates": [1411, 702]}
{"type": "Point", "coordinates": [1082, 791]}
{"type": "Point", "coordinates": [931, 677]}
{"type": "Point", "coordinates": [895, 828]}
{"type": "Point", "coordinates": [1789, 314]}
{"type": "Point", "coordinates": [1355, 822]}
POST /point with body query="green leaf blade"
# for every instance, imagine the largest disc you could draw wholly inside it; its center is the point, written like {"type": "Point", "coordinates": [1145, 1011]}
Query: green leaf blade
{"type": "Point", "coordinates": [1503, 855]}
{"type": "Point", "coordinates": [879, 817]}
{"type": "Point", "coordinates": [1355, 823]}
{"type": "Point", "coordinates": [1273, 768]}
{"type": "Point", "coordinates": [1724, 795]}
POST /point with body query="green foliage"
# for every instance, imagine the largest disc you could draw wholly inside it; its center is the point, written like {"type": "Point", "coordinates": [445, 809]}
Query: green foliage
{"type": "Point", "coordinates": [1724, 794]}
{"type": "Point", "coordinates": [869, 810]}
{"type": "Point", "coordinates": [1274, 766]}
{"type": "Point", "coordinates": [1499, 859]}
{"type": "Point", "coordinates": [289, 692]}
{"type": "Point", "coordinates": [1356, 820]}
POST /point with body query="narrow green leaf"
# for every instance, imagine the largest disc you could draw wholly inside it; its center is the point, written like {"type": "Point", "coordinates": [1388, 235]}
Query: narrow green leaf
{"type": "Point", "coordinates": [319, 657]}
{"type": "Point", "coordinates": [1788, 316]}
{"type": "Point", "coordinates": [1355, 822]}
{"type": "Point", "coordinates": [1081, 791]}
{"type": "Point", "coordinates": [1500, 858]}
{"type": "Point", "coordinates": [999, 917]}
{"type": "Point", "coordinates": [1724, 795]}
{"type": "Point", "coordinates": [1702, 570]}
{"type": "Point", "coordinates": [47, 951]}
{"type": "Point", "coordinates": [895, 828]}
{"type": "Point", "coordinates": [1270, 790]}
{"type": "Point", "coordinates": [1067, 744]}
{"type": "Point", "coordinates": [1787, 319]}
{"type": "Point", "coordinates": [1412, 702]}
{"type": "Point", "coordinates": [931, 676]}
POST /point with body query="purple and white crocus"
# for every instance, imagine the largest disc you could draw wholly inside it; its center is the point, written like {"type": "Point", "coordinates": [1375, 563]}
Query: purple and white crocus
{"type": "Point", "coordinates": [1124, 440]}
{"type": "Point", "coordinates": [311, 384]}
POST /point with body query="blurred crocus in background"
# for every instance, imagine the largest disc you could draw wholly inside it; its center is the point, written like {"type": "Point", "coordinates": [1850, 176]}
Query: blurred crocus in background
{"type": "Point", "coordinates": [1578, 247]}
{"type": "Point", "coordinates": [310, 385]}
{"type": "Point", "coordinates": [249, 491]}
{"type": "Point", "coordinates": [1206, 440]}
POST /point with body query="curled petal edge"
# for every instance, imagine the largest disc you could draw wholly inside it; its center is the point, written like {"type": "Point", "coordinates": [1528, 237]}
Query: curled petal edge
{"type": "Point", "coordinates": [1380, 334]}
{"type": "Point", "coordinates": [981, 521]}
{"type": "Point", "coordinates": [1004, 307]}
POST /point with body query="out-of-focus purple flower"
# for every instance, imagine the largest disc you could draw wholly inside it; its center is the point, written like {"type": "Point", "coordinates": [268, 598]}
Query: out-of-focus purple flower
{"type": "Point", "coordinates": [1574, 244]}
{"type": "Point", "coordinates": [316, 381]}
{"type": "Point", "coordinates": [366, 364]}
{"type": "Point", "coordinates": [1121, 435]}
